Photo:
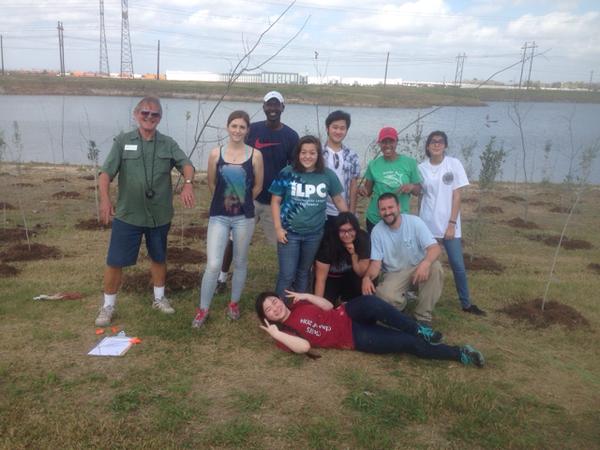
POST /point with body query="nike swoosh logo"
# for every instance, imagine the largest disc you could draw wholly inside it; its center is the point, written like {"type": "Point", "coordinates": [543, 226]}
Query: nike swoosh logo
{"type": "Point", "coordinates": [258, 145]}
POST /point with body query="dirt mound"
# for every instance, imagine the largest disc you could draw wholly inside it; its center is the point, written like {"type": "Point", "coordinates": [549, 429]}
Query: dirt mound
{"type": "Point", "coordinates": [66, 194]}
{"type": "Point", "coordinates": [469, 200]}
{"type": "Point", "coordinates": [177, 280]}
{"type": "Point", "coordinates": [87, 177]}
{"type": "Point", "coordinates": [56, 180]}
{"type": "Point", "coordinates": [14, 234]}
{"type": "Point", "coordinates": [21, 252]}
{"type": "Point", "coordinates": [24, 185]}
{"type": "Point", "coordinates": [483, 263]}
{"type": "Point", "coordinates": [185, 255]}
{"type": "Point", "coordinates": [193, 231]}
{"type": "Point", "coordinates": [562, 209]}
{"type": "Point", "coordinates": [91, 188]}
{"type": "Point", "coordinates": [92, 224]}
{"type": "Point", "coordinates": [541, 203]}
{"type": "Point", "coordinates": [517, 222]}
{"type": "Point", "coordinates": [555, 313]}
{"type": "Point", "coordinates": [512, 198]}
{"type": "Point", "coordinates": [7, 271]}
{"type": "Point", "coordinates": [4, 205]}
{"type": "Point", "coordinates": [568, 244]}
{"type": "Point", "coordinates": [595, 267]}
{"type": "Point", "coordinates": [490, 209]}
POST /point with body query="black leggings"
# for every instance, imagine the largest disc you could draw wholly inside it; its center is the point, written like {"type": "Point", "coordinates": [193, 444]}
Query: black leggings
{"type": "Point", "coordinates": [399, 336]}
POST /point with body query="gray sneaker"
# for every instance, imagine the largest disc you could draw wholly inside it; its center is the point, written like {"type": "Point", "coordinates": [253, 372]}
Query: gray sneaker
{"type": "Point", "coordinates": [163, 305]}
{"type": "Point", "coordinates": [105, 316]}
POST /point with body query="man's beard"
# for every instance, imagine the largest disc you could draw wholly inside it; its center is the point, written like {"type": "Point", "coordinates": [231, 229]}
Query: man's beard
{"type": "Point", "coordinates": [390, 219]}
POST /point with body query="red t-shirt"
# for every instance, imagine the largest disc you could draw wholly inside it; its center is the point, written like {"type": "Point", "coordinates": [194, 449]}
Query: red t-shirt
{"type": "Point", "coordinates": [325, 329]}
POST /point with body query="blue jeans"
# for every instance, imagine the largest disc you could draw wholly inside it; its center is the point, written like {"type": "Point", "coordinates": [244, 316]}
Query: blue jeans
{"type": "Point", "coordinates": [457, 264]}
{"type": "Point", "coordinates": [295, 261]}
{"type": "Point", "coordinates": [217, 237]}
{"type": "Point", "coordinates": [398, 336]}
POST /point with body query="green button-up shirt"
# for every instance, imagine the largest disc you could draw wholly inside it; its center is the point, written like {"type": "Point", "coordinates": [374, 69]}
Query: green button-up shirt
{"type": "Point", "coordinates": [127, 158]}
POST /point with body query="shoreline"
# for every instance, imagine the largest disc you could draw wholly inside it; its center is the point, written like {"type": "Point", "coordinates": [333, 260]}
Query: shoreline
{"type": "Point", "coordinates": [331, 95]}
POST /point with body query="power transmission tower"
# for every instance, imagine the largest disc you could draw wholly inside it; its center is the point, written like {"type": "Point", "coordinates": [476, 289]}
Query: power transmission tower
{"type": "Point", "coordinates": [61, 48]}
{"type": "Point", "coordinates": [531, 55]}
{"type": "Point", "coordinates": [590, 85]}
{"type": "Point", "coordinates": [126, 56]}
{"type": "Point", "coordinates": [103, 67]}
{"type": "Point", "coordinates": [458, 74]}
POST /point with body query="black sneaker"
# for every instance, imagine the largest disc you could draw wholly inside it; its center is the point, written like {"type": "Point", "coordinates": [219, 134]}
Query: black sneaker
{"type": "Point", "coordinates": [473, 309]}
{"type": "Point", "coordinates": [429, 335]}
{"type": "Point", "coordinates": [468, 356]}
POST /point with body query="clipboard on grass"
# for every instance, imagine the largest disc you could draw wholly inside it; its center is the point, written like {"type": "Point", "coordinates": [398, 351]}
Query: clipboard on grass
{"type": "Point", "coordinates": [112, 346]}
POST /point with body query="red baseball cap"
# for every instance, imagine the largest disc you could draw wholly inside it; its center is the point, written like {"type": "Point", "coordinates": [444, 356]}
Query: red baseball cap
{"type": "Point", "coordinates": [387, 133]}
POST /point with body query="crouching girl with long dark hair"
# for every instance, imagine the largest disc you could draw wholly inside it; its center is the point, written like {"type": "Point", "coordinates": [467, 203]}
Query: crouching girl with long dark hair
{"type": "Point", "coordinates": [366, 324]}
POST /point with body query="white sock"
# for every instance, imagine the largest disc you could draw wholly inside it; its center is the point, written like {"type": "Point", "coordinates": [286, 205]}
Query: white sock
{"type": "Point", "coordinates": [223, 277]}
{"type": "Point", "coordinates": [110, 300]}
{"type": "Point", "coordinates": [159, 292]}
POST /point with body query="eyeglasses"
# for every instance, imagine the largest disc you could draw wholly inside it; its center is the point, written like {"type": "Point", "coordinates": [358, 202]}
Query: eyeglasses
{"type": "Point", "coordinates": [152, 114]}
{"type": "Point", "coordinates": [436, 141]}
{"type": "Point", "coordinates": [336, 160]}
{"type": "Point", "coordinates": [346, 231]}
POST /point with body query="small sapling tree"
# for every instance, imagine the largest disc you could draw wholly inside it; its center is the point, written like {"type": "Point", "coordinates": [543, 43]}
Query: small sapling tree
{"type": "Point", "coordinates": [466, 152]}
{"type": "Point", "coordinates": [93, 154]}
{"type": "Point", "coordinates": [2, 150]}
{"type": "Point", "coordinates": [586, 160]}
{"type": "Point", "coordinates": [547, 167]}
{"type": "Point", "coordinates": [492, 158]}
{"type": "Point", "coordinates": [18, 146]}
{"type": "Point", "coordinates": [410, 143]}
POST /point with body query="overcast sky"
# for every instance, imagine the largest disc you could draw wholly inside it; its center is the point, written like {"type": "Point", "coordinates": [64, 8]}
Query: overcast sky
{"type": "Point", "coordinates": [340, 38]}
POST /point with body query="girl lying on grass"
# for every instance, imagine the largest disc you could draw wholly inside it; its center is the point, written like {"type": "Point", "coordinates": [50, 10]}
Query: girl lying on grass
{"type": "Point", "coordinates": [366, 323]}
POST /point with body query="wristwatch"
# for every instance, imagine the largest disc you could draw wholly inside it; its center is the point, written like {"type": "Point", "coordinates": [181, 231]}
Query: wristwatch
{"type": "Point", "coordinates": [188, 181]}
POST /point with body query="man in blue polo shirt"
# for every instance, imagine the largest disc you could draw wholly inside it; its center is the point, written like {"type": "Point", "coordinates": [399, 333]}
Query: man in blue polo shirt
{"type": "Point", "coordinates": [143, 160]}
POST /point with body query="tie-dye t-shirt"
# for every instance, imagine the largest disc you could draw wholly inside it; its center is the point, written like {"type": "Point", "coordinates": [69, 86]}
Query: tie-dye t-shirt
{"type": "Point", "coordinates": [304, 198]}
{"type": "Point", "coordinates": [233, 190]}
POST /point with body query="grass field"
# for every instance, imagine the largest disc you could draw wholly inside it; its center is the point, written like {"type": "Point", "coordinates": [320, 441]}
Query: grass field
{"type": "Point", "coordinates": [378, 96]}
{"type": "Point", "coordinates": [228, 386]}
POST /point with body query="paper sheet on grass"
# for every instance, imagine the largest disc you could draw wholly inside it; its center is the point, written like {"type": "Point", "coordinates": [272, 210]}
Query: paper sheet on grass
{"type": "Point", "coordinates": [112, 346]}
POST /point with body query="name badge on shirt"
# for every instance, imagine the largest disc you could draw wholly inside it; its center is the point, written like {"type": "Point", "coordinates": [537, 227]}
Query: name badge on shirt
{"type": "Point", "coordinates": [130, 147]}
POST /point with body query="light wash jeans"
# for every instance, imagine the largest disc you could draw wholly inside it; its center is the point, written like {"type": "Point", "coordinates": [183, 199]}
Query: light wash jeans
{"type": "Point", "coordinates": [295, 261]}
{"type": "Point", "coordinates": [217, 237]}
{"type": "Point", "coordinates": [457, 264]}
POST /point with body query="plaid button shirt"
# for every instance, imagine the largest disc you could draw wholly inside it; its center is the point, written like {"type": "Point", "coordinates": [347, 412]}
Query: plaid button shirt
{"type": "Point", "coordinates": [350, 168]}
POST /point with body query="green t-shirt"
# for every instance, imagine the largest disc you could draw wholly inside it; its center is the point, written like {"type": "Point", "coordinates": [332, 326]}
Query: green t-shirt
{"type": "Point", "coordinates": [304, 198]}
{"type": "Point", "coordinates": [388, 176]}
{"type": "Point", "coordinates": [127, 158]}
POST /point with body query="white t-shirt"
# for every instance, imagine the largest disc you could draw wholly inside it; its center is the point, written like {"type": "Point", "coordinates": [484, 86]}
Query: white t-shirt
{"type": "Point", "coordinates": [439, 181]}
{"type": "Point", "coordinates": [330, 163]}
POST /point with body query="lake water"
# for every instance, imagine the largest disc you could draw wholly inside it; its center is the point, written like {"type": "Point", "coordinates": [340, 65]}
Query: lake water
{"type": "Point", "coordinates": [46, 137]}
